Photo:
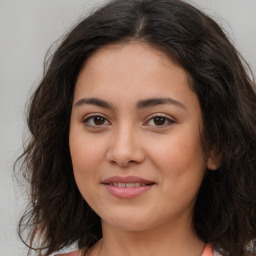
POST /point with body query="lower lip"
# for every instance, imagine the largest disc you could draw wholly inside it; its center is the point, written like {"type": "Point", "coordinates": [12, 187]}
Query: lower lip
{"type": "Point", "coordinates": [127, 192]}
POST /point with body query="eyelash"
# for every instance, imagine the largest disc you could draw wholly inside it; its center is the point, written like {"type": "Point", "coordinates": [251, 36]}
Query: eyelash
{"type": "Point", "coordinates": [166, 119]}
{"type": "Point", "coordinates": [87, 119]}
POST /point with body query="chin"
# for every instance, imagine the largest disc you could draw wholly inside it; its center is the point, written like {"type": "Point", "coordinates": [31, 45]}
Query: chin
{"type": "Point", "coordinates": [128, 222]}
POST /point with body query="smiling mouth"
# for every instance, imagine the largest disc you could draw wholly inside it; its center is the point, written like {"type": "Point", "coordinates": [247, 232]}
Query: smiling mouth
{"type": "Point", "coordinates": [127, 180]}
{"type": "Point", "coordinates": [128, 185]}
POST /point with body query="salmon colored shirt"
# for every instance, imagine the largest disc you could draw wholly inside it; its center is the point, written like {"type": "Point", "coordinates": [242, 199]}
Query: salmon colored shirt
{"type": "Point", "coordinates": [207, 252]}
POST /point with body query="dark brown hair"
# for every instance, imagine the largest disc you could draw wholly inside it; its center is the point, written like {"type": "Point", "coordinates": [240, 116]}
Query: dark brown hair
{"type": "Point", "coordinates": [225, 211]}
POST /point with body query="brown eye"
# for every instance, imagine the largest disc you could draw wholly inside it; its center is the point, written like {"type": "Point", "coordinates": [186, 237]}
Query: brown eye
{"type": "Point", "coordinates": [96, 121]}
{"type": "Point", "coordinates": [159, 120]}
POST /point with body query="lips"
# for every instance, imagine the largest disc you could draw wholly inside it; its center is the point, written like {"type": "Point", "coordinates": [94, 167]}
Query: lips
{"type": "Point", "coordinates": [127, 187]}
{"type": "Point", "coordinates": [128, 179]}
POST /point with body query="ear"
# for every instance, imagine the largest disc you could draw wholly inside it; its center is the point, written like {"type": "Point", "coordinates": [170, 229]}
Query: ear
{"type": "Point", "coordinates": [213, 161]}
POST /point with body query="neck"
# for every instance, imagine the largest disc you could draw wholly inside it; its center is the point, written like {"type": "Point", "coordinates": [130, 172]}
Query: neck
{"type": "Point", "coordinates": [162, 241]}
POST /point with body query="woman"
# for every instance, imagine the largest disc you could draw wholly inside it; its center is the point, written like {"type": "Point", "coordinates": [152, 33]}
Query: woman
{"type": "Point", "coordinates": [143, 138]}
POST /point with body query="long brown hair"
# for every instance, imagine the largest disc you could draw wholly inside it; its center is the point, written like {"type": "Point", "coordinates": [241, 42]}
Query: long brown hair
{"type": "Point", "coordinates": [225, 211]}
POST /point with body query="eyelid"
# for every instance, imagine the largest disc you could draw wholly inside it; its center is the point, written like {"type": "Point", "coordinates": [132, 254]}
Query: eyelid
{"type": "Point", "coordinates": [89, 116]}
{"type": "Point", "coordinates": [171, 120]}
{"type": "Point", "coordinates": [168, 118]}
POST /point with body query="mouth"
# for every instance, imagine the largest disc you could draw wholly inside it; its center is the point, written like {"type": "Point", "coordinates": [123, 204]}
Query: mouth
{"type": "Point", "coordinates": [115, 180]}
{"type": "Point", "coordinates": [127, 187]}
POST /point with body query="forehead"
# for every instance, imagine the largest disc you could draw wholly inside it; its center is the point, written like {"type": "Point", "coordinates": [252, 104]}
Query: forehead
{"type": "Point", "coordinates": [123, 66]}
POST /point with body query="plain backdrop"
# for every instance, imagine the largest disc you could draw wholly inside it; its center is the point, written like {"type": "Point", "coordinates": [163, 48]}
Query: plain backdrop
{"type": "Point", "coordinates": [27, 29]}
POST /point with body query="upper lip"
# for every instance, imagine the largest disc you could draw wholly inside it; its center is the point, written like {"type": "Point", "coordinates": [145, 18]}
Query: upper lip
{"type": "Point", "coordinates": [127, 179]}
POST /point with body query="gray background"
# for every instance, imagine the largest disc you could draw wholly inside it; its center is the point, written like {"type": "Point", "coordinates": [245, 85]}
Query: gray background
{"type": "Point", "coordinates": [27, 29]}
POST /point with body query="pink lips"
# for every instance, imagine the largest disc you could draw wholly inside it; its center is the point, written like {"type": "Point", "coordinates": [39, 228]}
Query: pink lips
{"type": "Point", "coordinates": [127, 187]}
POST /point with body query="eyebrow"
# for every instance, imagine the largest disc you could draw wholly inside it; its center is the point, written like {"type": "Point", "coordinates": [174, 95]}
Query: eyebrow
{"type": "Point", "coordinates": [140, 105]}
{"type": "Point", "coordinates": [95, 102]}
{"type": "Point", "coordinates": [159, 101]}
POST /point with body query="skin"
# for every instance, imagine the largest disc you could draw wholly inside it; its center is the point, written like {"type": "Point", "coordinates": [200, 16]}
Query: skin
{"type": "Point", "coordinates": [128, 141]}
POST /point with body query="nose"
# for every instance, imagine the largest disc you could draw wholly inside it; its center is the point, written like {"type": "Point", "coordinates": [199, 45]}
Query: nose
{"type": "Point", "coordinates": [125, 148]}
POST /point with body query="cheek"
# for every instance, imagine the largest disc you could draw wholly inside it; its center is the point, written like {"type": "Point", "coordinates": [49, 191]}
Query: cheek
{"type": "Point", "coordinates": [86, 157]}
{"type": "Point", "coordinates": [85, 151]}
{"type": "Point", "coordinates": [181, 163]}
{"type": "Point", "coordinates": [182, 167]}
{"type": "Point", "coordinates": [178, 151]}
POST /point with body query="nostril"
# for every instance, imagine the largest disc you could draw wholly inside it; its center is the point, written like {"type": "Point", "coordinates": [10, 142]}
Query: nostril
{"type": "Point", "coordinates": [125, 156]}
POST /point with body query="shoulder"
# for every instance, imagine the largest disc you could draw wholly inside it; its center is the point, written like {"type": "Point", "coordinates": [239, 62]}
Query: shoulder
{"type": "Point", "coordinates": [208, 251]}
{"type": "Point", "coordinates": [75, 253]}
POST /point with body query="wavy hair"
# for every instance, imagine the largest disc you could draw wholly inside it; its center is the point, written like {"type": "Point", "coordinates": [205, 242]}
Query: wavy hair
{"type": "Point", "coordinates": [225, 210]}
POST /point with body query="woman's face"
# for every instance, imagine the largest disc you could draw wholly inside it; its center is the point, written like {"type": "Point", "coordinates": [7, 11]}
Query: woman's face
{"type": "Point", "coordinates": [135, 138]}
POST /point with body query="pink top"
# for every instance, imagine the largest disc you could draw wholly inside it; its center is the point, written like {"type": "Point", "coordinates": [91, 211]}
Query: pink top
{"type": "Point", "coordinates": [207, 252]}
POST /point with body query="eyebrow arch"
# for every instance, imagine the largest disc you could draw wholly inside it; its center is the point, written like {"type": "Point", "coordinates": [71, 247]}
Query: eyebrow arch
{"type": "Point", "coordinates": [94, 101]}
{"type": "Point", "coordinates": [140, 105]}
{"type": "Point", "coordinates": [159, 101]}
